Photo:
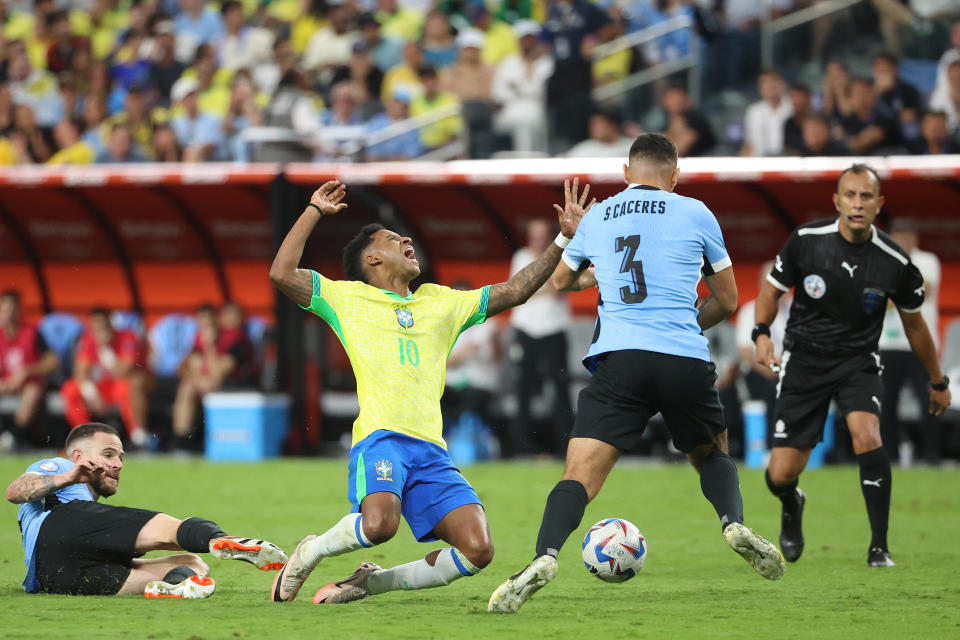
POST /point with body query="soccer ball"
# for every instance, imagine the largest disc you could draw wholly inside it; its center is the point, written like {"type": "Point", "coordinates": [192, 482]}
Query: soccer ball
{"type": "Point", "coordinates": [614, 550]}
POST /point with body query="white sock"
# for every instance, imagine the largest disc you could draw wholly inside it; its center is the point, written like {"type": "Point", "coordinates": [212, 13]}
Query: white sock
{"type": "Point", "coordinates": [450, 565]}
{"type": "Point", "coordinates": [343, 537]}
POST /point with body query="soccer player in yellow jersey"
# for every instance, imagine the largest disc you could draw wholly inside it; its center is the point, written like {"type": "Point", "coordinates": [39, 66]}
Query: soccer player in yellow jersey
{"type": "Point", "coordinates": [398, 342]}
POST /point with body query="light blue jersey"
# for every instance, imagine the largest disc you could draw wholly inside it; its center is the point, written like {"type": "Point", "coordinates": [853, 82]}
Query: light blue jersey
{"type": "Point", "coordinates": [32, 514]}
{"type": "Point", "coordinates": [648, 248]}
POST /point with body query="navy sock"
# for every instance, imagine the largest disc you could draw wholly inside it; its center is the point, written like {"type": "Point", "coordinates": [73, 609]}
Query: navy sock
{"type": "Point", "coordinates": [564, 510]}
{"type": "Point", "coordinates": [786, 493]}
{"type": "Point", "coordinates": [178, 575]}
{"type": "Point", "coordinates": [195, 534]}
{"type": "Point", "coordinates": [875, 480]}
{"type": "Point", "coordinates": [721, 486]}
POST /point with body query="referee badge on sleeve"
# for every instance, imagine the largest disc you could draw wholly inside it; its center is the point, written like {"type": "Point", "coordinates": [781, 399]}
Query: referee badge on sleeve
{"type": "Point", "coordinates": [873, 300]}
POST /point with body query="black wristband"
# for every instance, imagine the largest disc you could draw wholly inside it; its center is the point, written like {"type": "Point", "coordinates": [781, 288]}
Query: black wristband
{"type": "Point", "coordinates": [319, 210]}
{"type": "Point", "coordinates": [943, 385]}
{"type": "Point", "coordinates": [759, 329]}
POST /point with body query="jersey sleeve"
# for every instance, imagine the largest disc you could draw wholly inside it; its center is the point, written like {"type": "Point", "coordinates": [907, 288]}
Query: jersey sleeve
{"type": "Point", "coordinates": [469, 307]}
{"type": "Point", "coordinates": [715, 256]}
{"type": "Point", "coordinates": [327, 298]}
{"type": "Point", "coordinates": [909, 294]}
{"type": "Point", "coordinates": [47, 467]}
{"type": "Point", "coordinates": [87, 352]}
{"type": "Point", "coordinates": [784, 274]}
{"type": "Point", "coordinates": [575, 255]}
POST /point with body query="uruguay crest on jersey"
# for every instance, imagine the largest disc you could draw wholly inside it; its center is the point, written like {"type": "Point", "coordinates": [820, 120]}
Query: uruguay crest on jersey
{"type": "Point", "coordinates": [404, 316]}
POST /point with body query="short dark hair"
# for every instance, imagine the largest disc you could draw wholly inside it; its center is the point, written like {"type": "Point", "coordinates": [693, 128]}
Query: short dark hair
{"type": "Point", "coordinates": [858, 169]}
{"type": "Point", "coordinates": [10, 294]}
{"type": "Point", "coordinates": [228, 5]}
{"type": "Point", "coordinates": [801, 87]}
{"type": "Point", "coordinates": [100, 311]}
{"type": "Point", "coordinates": [818, 117]}
{"type": "Point", "coordinates": [770, 71]}
{"type": "Point", "coordinates": [353, 252]}
{"type": "Point", "coordinates": [888, 57]}
{"type": "Point", "coordinates": [85, 431]}
{"type": "Point", "coordinates": [206, 307]}
{"type": "Point", "coordinates": [427, 71]}
{"type": "Point", "coordinates": [610, 115]}
{"type": "Point", "coordinates": [655, 148]}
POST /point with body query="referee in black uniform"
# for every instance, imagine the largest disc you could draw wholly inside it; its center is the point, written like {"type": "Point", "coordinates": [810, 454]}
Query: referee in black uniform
{"type": "Point", "coordinates": [843, 271]}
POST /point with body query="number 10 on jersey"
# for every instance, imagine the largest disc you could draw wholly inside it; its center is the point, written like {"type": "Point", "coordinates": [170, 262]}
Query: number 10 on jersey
{"type": "Point", "coordinates": [409, 353]}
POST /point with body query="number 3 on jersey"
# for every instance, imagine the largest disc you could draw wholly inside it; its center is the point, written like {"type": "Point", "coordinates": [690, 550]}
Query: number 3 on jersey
{"type": "Point", "coordinates": [409, 353]}
{"type": "Point", "coordinates": [638, 292]}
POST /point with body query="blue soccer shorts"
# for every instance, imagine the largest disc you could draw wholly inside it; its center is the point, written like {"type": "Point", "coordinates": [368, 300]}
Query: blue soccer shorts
{"type": "Point", "coordinates": [421, 473]}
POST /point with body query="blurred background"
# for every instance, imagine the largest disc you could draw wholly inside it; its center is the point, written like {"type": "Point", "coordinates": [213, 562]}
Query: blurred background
{"type": "Point", "coordinates": [154, 153]}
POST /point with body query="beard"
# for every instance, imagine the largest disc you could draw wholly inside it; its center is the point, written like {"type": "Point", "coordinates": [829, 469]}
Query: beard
{"type": "Point", "coordinates": [103, 489]}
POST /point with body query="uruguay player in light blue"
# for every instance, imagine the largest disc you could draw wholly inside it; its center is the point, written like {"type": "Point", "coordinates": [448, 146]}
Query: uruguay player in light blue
{"type": "Point", "coordinates": [649, 248]}
{"type": "Point", "coordinates": [73, 544]}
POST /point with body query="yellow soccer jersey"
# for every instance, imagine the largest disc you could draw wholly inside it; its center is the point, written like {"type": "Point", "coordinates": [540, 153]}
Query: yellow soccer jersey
{"type": "Point", "coordinates": [398, 348]}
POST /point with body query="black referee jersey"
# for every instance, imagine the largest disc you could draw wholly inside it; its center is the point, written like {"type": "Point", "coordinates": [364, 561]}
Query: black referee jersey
{"type": "Point", "coordinates": [841, 289]}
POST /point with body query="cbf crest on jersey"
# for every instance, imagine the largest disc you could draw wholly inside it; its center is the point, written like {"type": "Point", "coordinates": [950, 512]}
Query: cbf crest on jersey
{"type": "Point", "coordinates": [815, 286]}
{"type": "Point", "coordinates": [404, 316]}
{"type": "Point", "coordinates": [384, 469]}
{"type": "Point", "coordinates": [873, 299]}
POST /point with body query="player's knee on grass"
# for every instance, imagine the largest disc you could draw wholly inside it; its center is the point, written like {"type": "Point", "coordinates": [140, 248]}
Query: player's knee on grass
{"type": "Point", "coordinates": [478, 551]}
{"type": "Point", "coordinates": [379, 526]}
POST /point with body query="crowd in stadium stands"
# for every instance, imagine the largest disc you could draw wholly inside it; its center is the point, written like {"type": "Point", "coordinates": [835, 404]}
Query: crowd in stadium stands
{"type": "Point", "coordinates": [112, 368]}
{"type": "Point", "coordinates": [182, 80]}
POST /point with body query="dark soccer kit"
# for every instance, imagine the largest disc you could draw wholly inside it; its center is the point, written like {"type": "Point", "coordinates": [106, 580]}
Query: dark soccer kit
{"type": "Point", "coordinates": [830, 347]}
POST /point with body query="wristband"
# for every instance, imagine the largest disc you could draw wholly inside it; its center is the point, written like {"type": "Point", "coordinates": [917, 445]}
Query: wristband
{"type": "Point", "coordinates": [319, 210]}
{"type": "Point", "coordinates": [943, 385]}
{"type": "Point", "coordinates": [760, 329]}
{"type": "Point", "coordinates": [562, 241]}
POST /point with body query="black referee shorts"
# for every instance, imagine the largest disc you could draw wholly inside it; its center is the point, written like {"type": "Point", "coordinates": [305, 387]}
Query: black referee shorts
{"type": "Point", "coordinates": [631, 386]}
{"type": "Point", "coordinates": [807, 384]}
{"type": "Point", "coordinates": [85, 548]}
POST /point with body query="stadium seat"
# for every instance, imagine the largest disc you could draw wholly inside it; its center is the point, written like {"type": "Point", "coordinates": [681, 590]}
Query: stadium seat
{"type": "Point", "coordinates": [171, 340]}
{"type": "Point", "coordinates": [127, 321]}
{"type": "Point", "coordinates": [61, 331]}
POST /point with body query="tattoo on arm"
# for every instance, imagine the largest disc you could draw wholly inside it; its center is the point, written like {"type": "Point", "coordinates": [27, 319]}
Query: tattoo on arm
{"type": "Point", "coordinates": [298, 287]}
{"type": "Point", "coordinates": [30, 487]}
{"type": "Point", "coordinates": [520, 287]}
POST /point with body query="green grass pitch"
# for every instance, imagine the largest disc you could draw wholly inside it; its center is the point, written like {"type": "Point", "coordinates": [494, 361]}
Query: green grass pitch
{"type": "Point", "coordinates": [693, 585]}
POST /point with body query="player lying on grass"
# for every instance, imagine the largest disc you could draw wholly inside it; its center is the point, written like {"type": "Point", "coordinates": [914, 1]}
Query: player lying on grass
{"type": "Point", "coordinates": [398, 342]}
{"type": "Point", "coordinates": [75, 545]}
{"type": "Point", "coordinates": [648, 246]}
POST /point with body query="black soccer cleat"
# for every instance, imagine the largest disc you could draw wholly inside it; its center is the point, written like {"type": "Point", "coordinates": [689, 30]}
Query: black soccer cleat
{"type": "Point", "coordinates": [791, 529]}
{"type": "Point", "coordinates": [879, 557]}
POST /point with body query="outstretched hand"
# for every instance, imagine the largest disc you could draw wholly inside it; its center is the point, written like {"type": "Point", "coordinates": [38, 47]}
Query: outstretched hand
{"type": "Point", "coordinates": [329, 197]}
{"type": "Point", "coordinates": [86, 469]}
{"type": "Point", "coordinates": [573, 210]}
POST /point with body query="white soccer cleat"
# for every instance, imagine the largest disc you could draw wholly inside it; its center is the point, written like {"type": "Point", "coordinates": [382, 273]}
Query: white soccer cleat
{"type": "Point", "coordinates": [264, 555]}
{"type": "Point", "coordinates": [510, 596]}
{"type": "Point", "coordinates": [191, 588]}
{"type": "Point", "coordinates": [759, 552]}
{"type": "Point", "coordinates": [292, 576]}
{"type": "Point", "coordinates": [349, 589]}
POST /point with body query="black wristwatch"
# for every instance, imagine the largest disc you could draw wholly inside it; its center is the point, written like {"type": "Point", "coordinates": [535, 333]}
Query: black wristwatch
{"type": "Point", "coordinates": [760, 329]}
{"type": "Point", "coordinates": [943, 385]}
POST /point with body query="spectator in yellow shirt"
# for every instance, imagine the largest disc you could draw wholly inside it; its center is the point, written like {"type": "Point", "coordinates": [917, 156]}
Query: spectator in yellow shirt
{"type": "Point", "coordinates": [405, 76]}
{"type": "Point", "coordinates": [72, 150]}
{"type": "Point", "coordinates": [397, 21]}
{"type": "Point", "coordinates": [446, 130]}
